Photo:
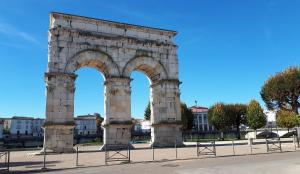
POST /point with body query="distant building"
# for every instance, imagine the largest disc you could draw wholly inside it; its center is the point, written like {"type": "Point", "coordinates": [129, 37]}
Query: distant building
{"type": "Point", "coordinates": [146, 126]}
{"type": "Point", "coordinates": [271, 118]}
{"type": "Point", "coordinates": [37, 130]}
{"type": "Point", "coordinates": [86, 125]}
{"type": "Point", "coordinates": [137, 126]}
{"type": "Point", "coordinates": [201, 123]}
{"type": "Point", "coordinates": [19, 125]}
{"type": "Point", "coordinates": [141, 126]}
{"type": "Point", "coordinates": [1, 128]}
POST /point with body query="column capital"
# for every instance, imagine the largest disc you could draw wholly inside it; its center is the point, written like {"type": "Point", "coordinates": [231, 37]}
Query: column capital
{"type": "Point", "coordinates": [166, 81]}
{"type": "Point", "coordinates": [49, 75]}
{"type": "Point", "coordinates": [56, 79]}
{"type": "Point", "coordinates": [118, 79]}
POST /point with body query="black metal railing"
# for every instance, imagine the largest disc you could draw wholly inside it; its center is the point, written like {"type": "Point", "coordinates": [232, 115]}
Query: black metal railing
{"type": "Point", "coordinates": [116, 152]}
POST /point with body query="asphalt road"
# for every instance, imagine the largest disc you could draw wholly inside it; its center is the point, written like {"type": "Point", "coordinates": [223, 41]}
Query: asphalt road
{"type": "Point", "coordinates": [275, 163]}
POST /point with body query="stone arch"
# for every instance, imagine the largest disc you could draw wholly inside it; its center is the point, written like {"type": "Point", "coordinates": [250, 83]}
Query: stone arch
{"type": "Point", "coordinates": [95, 59]}
{"type": "Point", "coordinates": [156, 57]}
{"type": "Point", "coordinates": [154, 69]}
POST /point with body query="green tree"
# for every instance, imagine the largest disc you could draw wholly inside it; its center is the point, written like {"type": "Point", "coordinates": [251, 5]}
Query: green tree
{"type": "Point", "coordinates": [237, 115]}
{"type": "Point", "coordinates": [187, 117]}
{"type": "Point", "coordinates": [282, 91]}
{"type": "Point", "coordinates": [147, 113]}
{"type": "Point", "coordinates": [286, 119]}
{"type": "Point", "coordinates": [99, 121]}
{"type": "Point", "coordinates": [255, 116]}
{"type": "Point", "coordinates": [217, 117]}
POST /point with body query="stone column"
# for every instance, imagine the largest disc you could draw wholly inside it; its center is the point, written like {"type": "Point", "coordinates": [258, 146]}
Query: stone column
{"type": "Point", "coordinates": [166, 114]}
{"type": "Point", "coordinates": [59, 123]}
{"type": "Point", "coordinates": [117, 123]}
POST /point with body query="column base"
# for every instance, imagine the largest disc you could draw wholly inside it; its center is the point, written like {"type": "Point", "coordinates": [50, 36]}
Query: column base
{"type": "Point", "coordinates": [116, 136]}
{"type": "Point", "coordinates": [58, 139]}
{"type": "Point", "coordinates": [166, 135]}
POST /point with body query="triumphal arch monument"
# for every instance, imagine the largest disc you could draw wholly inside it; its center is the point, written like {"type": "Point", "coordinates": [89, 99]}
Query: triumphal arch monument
{"type": "Point", "coordinates": [116, 50]}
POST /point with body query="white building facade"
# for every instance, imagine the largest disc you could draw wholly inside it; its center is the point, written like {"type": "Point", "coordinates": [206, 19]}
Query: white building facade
{"type": "Point", "coordinates": [1, 128]}
{"type": "Point", "coordinates": [37, 130]}
{"type": "Point", "coordinates": [271, 118]}
{"type": "Point", "coordinates": [19, 126]}
{"type": "Point", "coordinates": [146, 126]}
{"type": "Point", "coordinates": [86, 125]}
{"type": "Point", "coordinates": [201, 123]}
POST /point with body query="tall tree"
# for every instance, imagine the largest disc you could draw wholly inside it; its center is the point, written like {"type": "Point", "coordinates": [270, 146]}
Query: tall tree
{"type": "Point", "coordinates": [237, 114]}
{"type": "Point", "coordinates": [147, 113]}
{"type": "Point", "coordinates": [217, 117]}
{"type": "Point", "coordinates": [282, 91]}
{"type": "Point", "coordinates": [99, 121]}
{"type": "Point", "coordinates": [187, 117]}
{"type": "Point", "coordinates": [286, 119]}
{"type": "Point", "coordinates": [255, 116]}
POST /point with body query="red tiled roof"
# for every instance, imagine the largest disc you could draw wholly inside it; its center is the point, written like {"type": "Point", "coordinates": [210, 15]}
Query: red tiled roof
{"type": "Point", "coordinates": [198, 109]}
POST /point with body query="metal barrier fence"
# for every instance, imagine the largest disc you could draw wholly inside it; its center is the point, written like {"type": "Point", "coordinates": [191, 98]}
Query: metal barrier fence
{"type": "Point", "coordinates": [273, 144]}
{"type": "Point", "coordinates": [92, 156]}
{"type": "Point", "coordinates": [206, 148]}
{"type": "Point", "coordinates": [115, 152]}
{"type": "Point", "coordinates": [4, 161]}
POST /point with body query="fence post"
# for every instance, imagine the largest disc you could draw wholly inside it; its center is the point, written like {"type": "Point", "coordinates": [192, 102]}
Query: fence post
{"type": "Point", "coordinates": [233, 147]}
{"type": "Point", "coordinates": [105, 155]}
{"type": "Point", "coordinates": [77, 155]}
{"type": "Point", "coordinates": [176, 148]}
{"type": "Point", "coordinates": [197, 149]}
{"type": "Point", "coordinates": [8, 160]}
{"type": "Point", "coordinates": [152, 152]}
{"type": "Point", "coordinates": [267, 145]}
{"type": "Point", "coordinates": [251, 147]}
{"type": "Point", "coordinates": [129, 153]}
{"type": "Point", "coordinates": [215, 148]}
{"type": "Point", "coordinates": [44, 162]}
{"type": "Point", "coordinates": [280, 145]}
{"type": "Point", "coordinates": [294, 141]}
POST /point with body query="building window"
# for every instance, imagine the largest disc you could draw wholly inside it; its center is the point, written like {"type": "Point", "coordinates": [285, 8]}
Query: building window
{"type": "Point", "coordinates": [205, 118]}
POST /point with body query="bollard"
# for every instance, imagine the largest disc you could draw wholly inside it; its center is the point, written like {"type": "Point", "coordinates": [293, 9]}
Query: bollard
{"type": "Point", "coordinates": [152, 152]}
{"type": "Point", "coordinates": [233, 147]}
{"type": "Point", "coordinates": [251, 147]}
{"type": "Point", "coordinates": [44, 162]}
{"type": "Point", "coordinates": [77, 156]}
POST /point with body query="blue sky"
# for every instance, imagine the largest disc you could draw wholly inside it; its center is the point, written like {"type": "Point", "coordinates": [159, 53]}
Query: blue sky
{"type": "Point", "coordinates": [227, 49]}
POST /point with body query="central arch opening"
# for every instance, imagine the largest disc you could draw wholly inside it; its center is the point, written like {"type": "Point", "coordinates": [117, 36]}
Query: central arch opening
{"type": "Point", "coordinates": [88, 106]}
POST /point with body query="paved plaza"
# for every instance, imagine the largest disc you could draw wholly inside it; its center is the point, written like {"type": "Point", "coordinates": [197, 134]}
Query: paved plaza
{"type": "Point", "coordinates": [276, 163]}
{"type": "Point", "coordinates": [165, 161]}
